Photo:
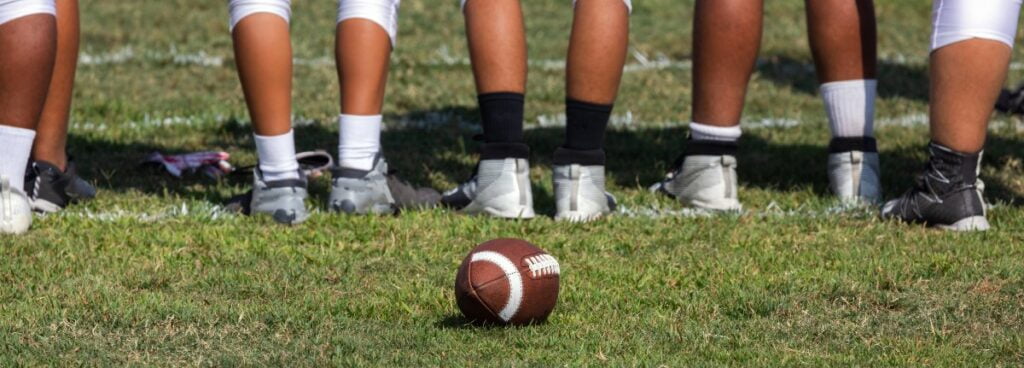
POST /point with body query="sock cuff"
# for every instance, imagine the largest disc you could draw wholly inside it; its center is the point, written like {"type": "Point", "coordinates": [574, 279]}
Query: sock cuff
{"type": "Point", "coordinates": [588, 106]}
{"type": "Point", "coordinates": [501, 96]}
{"type": "Point", "coordinates": [862, 84]}
{"type": "Point", "coordinates": [367, 119]}
{"type": "Point", "coordinates": [497, 151]}
{"type": "Point", "coordinates": [848, 144]}
{"type": "Point", "coordinates": [17, 132]}
{"type": "Point", "coordinates": [702, 132]}
{"type": "Point", "coordinates": [710, 148]}
{"type": "Point", "coordinates": [290, 134]}
{"type": "Point", "coordinates": [569, 156]}
{"type": "Point", "coordinates": [276, 153]}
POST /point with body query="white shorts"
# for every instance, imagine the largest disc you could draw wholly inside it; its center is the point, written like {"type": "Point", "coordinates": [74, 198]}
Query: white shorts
{"type": "Point", "coordinates": [14, 9]}
{"type": "Point", "coordinates": [958, 20]}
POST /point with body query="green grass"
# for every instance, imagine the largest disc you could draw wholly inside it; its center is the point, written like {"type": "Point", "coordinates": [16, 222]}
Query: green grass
{"type": "Point", "coordinates": [151, 273]}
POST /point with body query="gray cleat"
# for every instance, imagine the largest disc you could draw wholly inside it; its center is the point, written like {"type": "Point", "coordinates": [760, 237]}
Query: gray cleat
{"type": "Point", "coordinates": [15, 209]}
{"type": "Point", "coordinates": [51, 189]}
{"type": "Point", "coordinates": [283, 200]}
{"type": "Point", "coordinates": [580, 194]}
{"type": "Point", "coordinates": [362, 192]}
{"type": "Point", "coordinates": [500, 187]}
{"type": "Point", "coordinates": [854, 171]}
{"type": "Point", "coordinates": [704, 177]}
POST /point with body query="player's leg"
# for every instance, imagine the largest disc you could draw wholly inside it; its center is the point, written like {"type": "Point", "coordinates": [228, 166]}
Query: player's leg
{"type": "Point", "coordinates": [52, 180]}
{"type": "Point", "coordinates": [600, 27]}
{"type": "Point", "coordinates": [497, 47]}
{"type": "Point", "coordinates": [28, 42]}
{"type": "Point", "coordinates": [844, 42]}
{"type": "Point", "coordinates": [365, 36]}
{"type": "Point", "coordinates": [972, 43]}
{"type": "Point", "coordinates": [726, 39]}
{"type": "Point", "coordinates": [264, 59]}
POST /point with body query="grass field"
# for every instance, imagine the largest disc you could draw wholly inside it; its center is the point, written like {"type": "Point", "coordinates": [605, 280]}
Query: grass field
{"type": "Point", "coordinates": [154, 273]}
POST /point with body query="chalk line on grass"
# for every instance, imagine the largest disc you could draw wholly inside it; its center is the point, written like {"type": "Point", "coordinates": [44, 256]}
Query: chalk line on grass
{"type": "Point", "coordinates": [204, 211]}
{"type": "Point", "coordinates": [445, 119]}
{"type": "Point", "coordinates": [443, 56]}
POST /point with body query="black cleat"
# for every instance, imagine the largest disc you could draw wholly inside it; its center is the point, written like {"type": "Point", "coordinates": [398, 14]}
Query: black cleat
{"type": "Point", "coordinates": [51, 190]}
{"type": "Point", "coordinates": [947, 195]}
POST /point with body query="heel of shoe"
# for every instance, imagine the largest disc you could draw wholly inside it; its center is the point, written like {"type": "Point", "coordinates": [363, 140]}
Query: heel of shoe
{"type": "Point", "coordinates": [973, 223]}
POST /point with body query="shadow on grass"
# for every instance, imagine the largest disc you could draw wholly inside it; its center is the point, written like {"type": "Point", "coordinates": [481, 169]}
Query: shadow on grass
{"type": "Point", "coordinates": [458, 321]}
{"type": "Point", "coordinates": [440, 153]}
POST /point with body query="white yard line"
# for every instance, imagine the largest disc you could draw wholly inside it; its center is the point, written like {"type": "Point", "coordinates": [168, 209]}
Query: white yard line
{"type": "Point", "coordinates": [443, 56]}
{"type": "Point", "coordinates": [211, 212]}
{"type": "Point", "coordinates": [441, 119]}
{"type": "Point", "coordinates": [200, 211]}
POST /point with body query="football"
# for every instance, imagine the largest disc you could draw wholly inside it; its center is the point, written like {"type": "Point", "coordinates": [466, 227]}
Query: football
{"type": "Point", "coordinates": [507, 281]}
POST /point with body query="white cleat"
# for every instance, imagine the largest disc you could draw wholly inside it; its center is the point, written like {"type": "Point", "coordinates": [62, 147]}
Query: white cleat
{"type": "Point", "coordinates": [704, 177]}
{"type": "Point", "coordinates": [854, 176]}
{"type": "Point", "coordinates": [854, 173]}
{"type": "Point", "coordinates": [580, 194]}
{"type": "Point", "coordinates": [15, 209]}
{"type": "Point", "coordinates": [704, 182]}
{"type": "Point", "coordinates": [500, 188]}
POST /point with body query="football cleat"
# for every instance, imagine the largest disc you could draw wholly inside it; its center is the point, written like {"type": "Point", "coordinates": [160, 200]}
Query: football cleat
{"type": "Point", "coordinates": [15, 209]}
{"type": "Point", "coordinates": [854, 170]}
{"type": "Point", "coordinates": [704, 177]}
{"type": "Point", "coordinates": [947, 195]}
{"type": "Point", "coordinates": [579, 186]}
{"type": "Point", "coordinates": [500, 187]}
{"type": "Point", "coordinates": [362, 191]}
{"type": "Point", "coordinates": [283, 200]}
{"type": "Point", "coordinates": [51, 190]}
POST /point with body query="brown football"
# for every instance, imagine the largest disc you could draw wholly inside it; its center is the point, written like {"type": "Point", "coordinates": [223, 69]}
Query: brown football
{"type": "Point", "coordinates": [507, 281]}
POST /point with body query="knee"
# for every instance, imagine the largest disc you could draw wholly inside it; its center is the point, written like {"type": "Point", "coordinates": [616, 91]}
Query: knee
{"type": "Point", "coordinates": [382, 12]}
{"type": "Point", "coordinates": [240, 9]}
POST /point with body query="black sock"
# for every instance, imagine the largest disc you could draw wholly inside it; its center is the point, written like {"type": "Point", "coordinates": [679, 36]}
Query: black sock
{"type": "Point", "coordinates": [502, 115]}
{"type": "Point", "coordinates": [585, 124]}
{"type": "Point", "coordinates": [847, 144]}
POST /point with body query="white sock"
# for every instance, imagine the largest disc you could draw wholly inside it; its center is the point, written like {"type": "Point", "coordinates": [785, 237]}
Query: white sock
{"type": "Point", "coordinates": [704, 132]}
{"type": "Point", "coordinates": [358, 141]}
{"type": "Point", "coordinates": [15, 150]}
{"type": "Point", "coordinates": [277, 156]}
{"type": "Point", "coordinates": [851, 107]}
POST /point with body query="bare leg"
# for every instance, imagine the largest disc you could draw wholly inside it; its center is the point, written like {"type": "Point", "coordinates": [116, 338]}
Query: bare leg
{"type": "Point", "coordinates": [966, 77]}
{"type": "Point", "coordinates": [726, 40]}
{"type": "Point", "coordinates": [362, 51]}
{"type": "Point", "coordinates": [52, 132]}
{"type": "Point", "coordinates": [843, 39]}
{"type": "Point", "coordinates": [597, 50]}
{"type": "Point", "coordinates": [264, 55]}
{"type": "Point", "coordinates": [497, 45]}
{"type": "Point", "coordinates": [27, 53]}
